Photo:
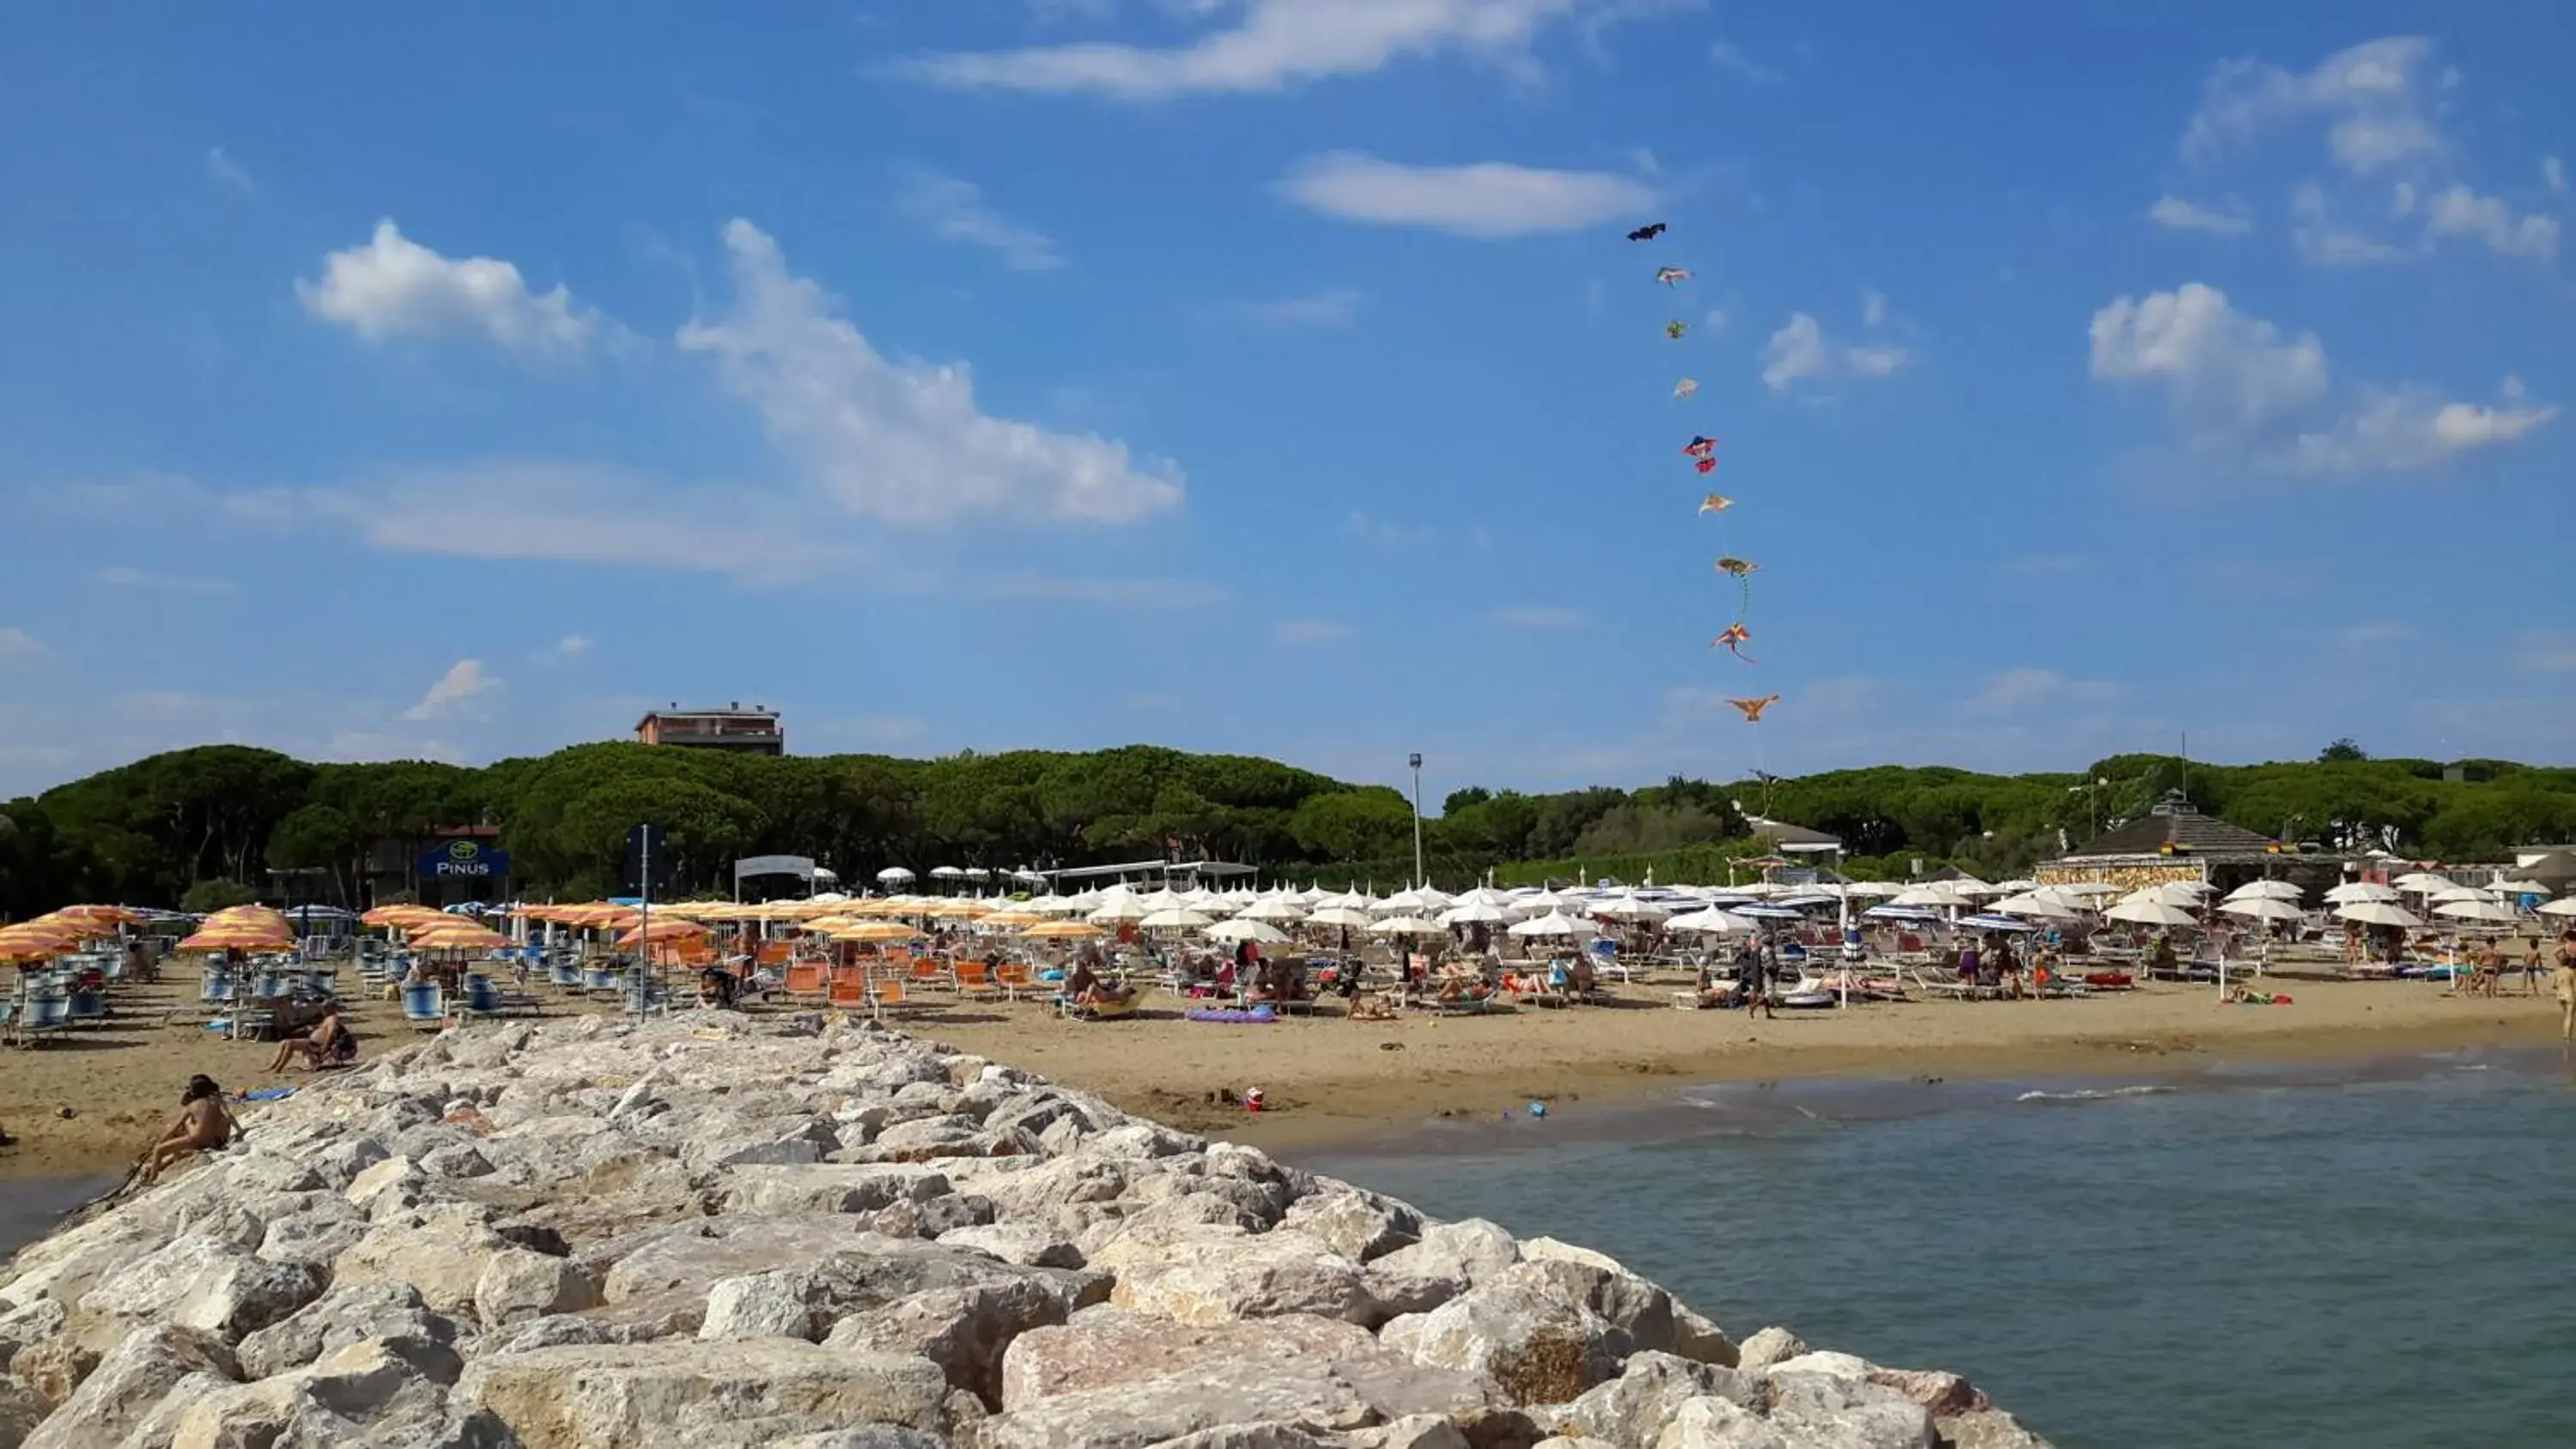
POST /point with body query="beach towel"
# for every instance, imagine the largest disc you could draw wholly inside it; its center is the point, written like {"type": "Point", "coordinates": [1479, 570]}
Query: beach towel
{"type": "Point", "coordinates": [1257, 1016]}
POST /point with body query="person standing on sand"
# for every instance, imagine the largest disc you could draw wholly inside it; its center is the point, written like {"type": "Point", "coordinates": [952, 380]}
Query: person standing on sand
{"type": "Point", "coordinates": [2566, 981]}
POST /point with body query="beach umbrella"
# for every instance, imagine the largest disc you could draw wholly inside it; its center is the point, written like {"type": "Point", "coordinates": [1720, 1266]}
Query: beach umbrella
{"type": "Point", "coordinates": [2032, 903]}
{"type": "Point", "coordinates": [1874, 889]}
{"type": "Point", "coordinates": [457, 935]}
{"type": "Point", "coordinates": [2151, 912]}
{"type": "Point", "coordinates": [1708, 922]}
{"type": "Point", "coordinates": [1112, 913]}
{"type": "Point", "coordinates": [2490, 912]}
{"type": "Point", "coordinates": [2560, 908]}
{"type": "Point", "coordinates": [1062, 931]}
{"type": "Point", "coordinates": [1994, 923]}
{"type": "Point", "coordinates": [2263, 908]}
{"type": "Point", "coordinates": [35, 941]}
{"type": "Point", "coordinates": [1474, 913]}
{"type": "Point", "coordinates": [1275, 909]}
{"type": "Point", "coordinates": [1409, 926]}
{"type": "Point", "coordinates": [1931, 895]}
{"type": "Point", "coordinates": [894, 875]}
{"type": "Point", "coordinates": [2422, 882]}
{"type": "Point", "coordinates": [875, 931]}
{"type": "Point", "coordinates": [1554, 923]}
{"type": "Point", "coordinates": [239, 936]}
{"type": "Point", "coordinates": [2265, 890]}
{"type": "Point", "coordinates": [663, 929]}
{"type": "Point", "coordinates": [1173, 918]}
{"type": "Point", "coordinates": [1246, 929]}
{"type": "Point", "coordinates": [1009, 916]}
{"type": "Point", "coordinates": [1339, 916]}
{"type": "Point", "coordinates": [104, 915]}
{"type": "Point", "coordinates": [2360, 890]}
{"type": "Point", "coordinates": [2459, 893]}
{"type": "Point", "coordinates": [1632, 910]}
{"type": "Point", "coordinates": [2378, 913]}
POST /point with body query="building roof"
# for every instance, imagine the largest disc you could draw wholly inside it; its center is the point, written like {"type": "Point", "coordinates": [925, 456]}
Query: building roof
{"type": "Point", "coordinates": [2173, 822]}
{"type": "Point", "coordinates": [1791, 837]}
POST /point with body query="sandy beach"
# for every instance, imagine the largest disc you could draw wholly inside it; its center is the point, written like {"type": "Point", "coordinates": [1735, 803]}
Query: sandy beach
{"type": "Point", "coordinates": [1326, 1079]}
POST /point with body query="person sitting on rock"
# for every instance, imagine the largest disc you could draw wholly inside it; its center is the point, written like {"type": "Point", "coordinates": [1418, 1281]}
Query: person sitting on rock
{"type": "Point", "coordinates": [329, 1044]}
{"type": "Point", "coordinates": [203, 1125]}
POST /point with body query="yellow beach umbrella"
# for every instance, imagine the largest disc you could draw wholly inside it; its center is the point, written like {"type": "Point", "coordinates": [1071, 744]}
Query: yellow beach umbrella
{"type": "Point", "coordinates": [1062, 931]}
{"type": "Point", "coordinates": [240, 936]}
{"type": "Point", "coordinates": [457, 934]}
{"type": "Point", "coordinates": [663, 929]}
{"type": "Point", "coordinates": [875, 931]}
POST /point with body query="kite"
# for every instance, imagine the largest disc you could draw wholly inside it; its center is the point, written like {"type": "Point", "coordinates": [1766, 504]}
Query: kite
{"type": "Point", "coordinates": [1686, 387]}
{"type": "Point", "coordinates": [1671, 276]}
{"type": "Point", "coordinates": [1753, 707]}
{"type": "Point", "coordinates": [1733, 640]}
{"type": "Point", "coordinates": [1675, 329]}
{"type": "Point", "coordinates": [1739, 567]}
{"type": "Point", "coordinates": [1699, 447]}
{"type": "Point", "coordinates": [1647, 233]}
{"type": "Point", "coordinates": [1716, 503]}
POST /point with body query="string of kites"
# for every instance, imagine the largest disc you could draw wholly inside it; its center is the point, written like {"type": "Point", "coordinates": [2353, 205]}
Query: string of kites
{"type": "Point", "coordinates": [1702, 451]}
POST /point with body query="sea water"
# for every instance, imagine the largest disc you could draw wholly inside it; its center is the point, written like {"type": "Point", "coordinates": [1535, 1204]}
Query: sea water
{"type": "Point", "coordinates": [2373, 1255]}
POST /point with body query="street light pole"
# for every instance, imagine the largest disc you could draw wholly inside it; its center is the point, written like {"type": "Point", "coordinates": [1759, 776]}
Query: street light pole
{"type": "Point", "coordinates": [1416, 761]}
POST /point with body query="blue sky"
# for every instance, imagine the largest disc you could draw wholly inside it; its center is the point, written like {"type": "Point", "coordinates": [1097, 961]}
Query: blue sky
{"type": "Point", "coordinates": [1274, 375]}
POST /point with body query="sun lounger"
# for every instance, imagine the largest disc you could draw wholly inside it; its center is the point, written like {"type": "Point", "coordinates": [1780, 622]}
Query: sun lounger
{"type": "Point", "coordinates": [424, 1007]}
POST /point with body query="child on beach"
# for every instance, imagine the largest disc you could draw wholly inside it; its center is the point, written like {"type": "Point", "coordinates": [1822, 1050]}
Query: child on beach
{"type": "Point", "coordinates": [203, 1124]}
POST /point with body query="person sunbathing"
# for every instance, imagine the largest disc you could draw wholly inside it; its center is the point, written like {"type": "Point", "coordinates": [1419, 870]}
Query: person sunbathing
{"type": "Point", "coordinates": [1372, 1007]}
{"type": "Point", "coordinates": [1088, 988]}
{"type": "Point", "coordinates": [203, 1125]}
{"type": "Point", "coordinates": [329, 1044]}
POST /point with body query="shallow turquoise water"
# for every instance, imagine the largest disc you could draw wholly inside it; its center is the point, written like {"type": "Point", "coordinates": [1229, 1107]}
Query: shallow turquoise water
{"type": "Point", "coordinates": [2376, 1254]}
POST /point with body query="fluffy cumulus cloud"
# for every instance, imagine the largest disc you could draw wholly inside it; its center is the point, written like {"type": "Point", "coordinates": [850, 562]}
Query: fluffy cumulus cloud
{"type": "Point", "coordinates": [2370, 98]}
{"type": "Point", "coordinates": [1268, 46]}
{"type": "Point", "coordinates": [2457, 212]}
{"type": "Point", "coordinates": [2241, 388]}
{"type": "Point", "coordinates": [395, 287]}
{"type": "Point", "coordinates": [464, 681]}
{"type": "Point", "coordinates": [2176, 214]}
{"type": "Point", "coordinates": [899, 441]}
{"type": "Point", "coordinates": [955, 210]}
{"type": "Point", "coordinates": [1488, 199]}
{"type": "Point", "coordinates": [1801, 352]}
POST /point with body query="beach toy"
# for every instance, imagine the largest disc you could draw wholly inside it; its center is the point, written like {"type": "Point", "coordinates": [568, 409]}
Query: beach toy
{"type": "Point", "coordinates": [1538, 1109]}
{"type": "Point", "coordinates": [1252, 1100]}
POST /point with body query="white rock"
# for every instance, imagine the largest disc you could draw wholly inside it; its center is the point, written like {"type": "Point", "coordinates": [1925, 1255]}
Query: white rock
{"type": "Point", "coordinates": [1632, 1410]}
{"type": "Point", "coordinates": [201, 1283]}
{"type": "Point", "coordinates": [1720, 1424]}
{"type": "Point", "coordinates": [1358, 1225]}
{"type": "Point", "coordinates": [638, 1396]}
{"type": "Point", "coordinates": [443, 1256]}
{"type": "Point", "coordinates": [517, 1285]}
{"type": "Point", "coordinates": [387, 1313]}
{"type": "Point", "coordinates": [1217, 1279]}
{"type": "Point", "coordinates": [1022, 1243]}
{"type": "Point", "coordinates": [760, 1305]}
{"type": "Point", "coordinates": [1768, 1347]}
{"type": "Point", "coordinates": [1541, 1348]}
{"type": "Point", "coordinates": [132, 1377]}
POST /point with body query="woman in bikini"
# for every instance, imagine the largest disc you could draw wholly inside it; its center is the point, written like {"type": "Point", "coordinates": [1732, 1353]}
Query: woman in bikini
{"type": "Point", "coordinates": [329, 1044]}
{"type": "Point", "coordinates": [203, 1124]}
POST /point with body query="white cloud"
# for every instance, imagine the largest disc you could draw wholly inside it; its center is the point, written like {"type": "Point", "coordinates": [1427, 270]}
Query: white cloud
{"type": "Point", "coordinates": [395, 287]}
{"type": "Point", "coordinates": [1715, 322]}
{"type": "Point", "coordinates": [2461, 212]}
{"type": "Point", "coordinates": [18, 644]}
{"type": "Point", "coordinates": [2021, 691]}
{"type": "Point", "coordinates": [954, 210]}
{"type": "Point", "coordinates": [1800, 350]}
{"type": "Point", "coordinates": [1332, 307]}
{"type": "Point", "coordinates": [225, 172]}
{"type": "Point", "coordinates": [1311, 631]}
{"type": "Point", "coordinates": [2325, 241]}
{"type": "Point", "coordinates": [2554, 172]}
{"type": "Point", "coordinates": [1873, 308]}
{"type": "Point", "coordinates": [573, 646]}
{"type": "Point", "coordinates": [1277, 43]}
{"type": "Point", "coordinates": [1390, 534]}
{"type": "Point", "coordinates": [2547, 653]}
{"type": "Point", "coordinates": [463, 681]}
{"type": "Point", "coordinates": [134, 578]}
{"type": "Point", "coordinates": [2239, 386]}
{"type": "Point", "coordinates": [1489, 199]}
{"type": "Point", "coordinates": [2179, 215]}
{"type": "Point", "coordinates": [2370, 96]}
{"type": "Point", "coordinates": [1732, 57]}
{"type": "Point", "coordinates": [1541, 616]}
{"type": "Point", "coordinates": [2231, 377]}
{"type": "Point", "coordinates": [901, 442]}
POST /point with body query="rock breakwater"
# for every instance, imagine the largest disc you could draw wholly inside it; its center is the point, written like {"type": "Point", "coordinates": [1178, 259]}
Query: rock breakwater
{"type": "Point", "coordinates": [788, 1233]}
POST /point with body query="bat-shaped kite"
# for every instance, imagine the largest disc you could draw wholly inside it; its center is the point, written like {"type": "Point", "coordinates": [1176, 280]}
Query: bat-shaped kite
{"type": "Point", "coordinates": [1700, 447]}
{"type": "Point", "coordinates": [1716, 503]}
{"type": "Point", "coordinates": [1738, 567]}
{"type": "Point", "coordinates": [1671, 276]}
{"type": "Point", "coordinates": [1647, 233]}
{"type": "Point", "coordinates": [1733, 640]}
{"type": "Point", "coordinates": [1753, 707]}
{"type": "Point", "coordinates": [1675, 329]}
{"type": "Point", "coordinates": [1686, 387]}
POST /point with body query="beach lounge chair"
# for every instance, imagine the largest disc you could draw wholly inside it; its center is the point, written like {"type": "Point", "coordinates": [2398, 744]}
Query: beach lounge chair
{"type": "Point", "coordinates": [40, 1014]}
{"type": "Point", "coordinates": [975, 982]}
{"type": "Point", "coordinates": [564, 974]}
{"type": "Point", "coordinates": [889, 993]}
{"type": "Point", "coordinates": [88, 1008]}
{"type": "Point", "coordinates": [485, 998]}
{"type": "Point", "coordinates": [215, 992]}
{"type": "Point", "coordinates": [1119, 1010]}
{"type": "Point", "coordinates": [806, 980]}
{"type": "Point", "coordinates": [1015, 980]}
{"type": "Point", "coordinates": [644, 999]}
{"type": "Point", "coordinates": [424, 1006]}
{"type": "Point", "coordinates": [848, 991]}
{"type": "Point", "coordinates": [929, 975]}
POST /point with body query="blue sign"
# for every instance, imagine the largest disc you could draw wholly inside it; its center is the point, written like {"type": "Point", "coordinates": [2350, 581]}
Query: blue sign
{"type": "Point", "coordinates": [465, 860]}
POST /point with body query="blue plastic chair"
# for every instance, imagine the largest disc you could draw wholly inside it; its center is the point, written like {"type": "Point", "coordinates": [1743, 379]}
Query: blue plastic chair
{"type": "Point", "coordinates": [424, 1006]}
{"type": "Point", "coordinates": [43, 1015]}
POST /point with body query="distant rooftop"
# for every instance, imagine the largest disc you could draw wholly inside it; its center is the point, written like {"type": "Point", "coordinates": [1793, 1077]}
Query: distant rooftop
{"type": "Point", "coordinates": [2174, 822]}
{"type": "Point", "coordinates": [753, 731]}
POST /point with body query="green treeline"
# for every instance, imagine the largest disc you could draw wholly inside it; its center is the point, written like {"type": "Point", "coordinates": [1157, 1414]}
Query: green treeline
{"type": "Point", "coordinates": [205, 826]}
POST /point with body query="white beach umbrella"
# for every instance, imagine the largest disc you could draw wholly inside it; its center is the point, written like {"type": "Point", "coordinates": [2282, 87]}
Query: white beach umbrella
{"type": "Point", "coordinates": [1274, 908]}
{"type": "Point", "coordinates": [2016, 887]}
{"type": "Point", "coordinates": [2265, 890]}
{"type": "Point", "coordinates": [2378, 913]}
{"type": "Point", "coordinates": [1243, 928]}
{"type": "Point", "coordinates": [1554, 923]}
{"type": "Point", "coordinates": [1632, 910]}
{"type": "Point", "coordinates": [1175, 918]}
{"type": "Point", "coordinates": [2089, 888]}
{"type": "Point", "coordinates": [2151, 912]}
{"type": "Point", "coordinates": [1710, 922]}
{"type": "Point", "coordinates": [2263, 908]}
{"type": "Point", "coordinates": [2420, 882]}
{"type": "Point", "coordinates": [2566, 907]}
{"type": "Point", "coordinates": [894, 874]}
{"type": "Point", "coordinates": [1338, 916]}
{"type": "Point", "coordinates": [1485, 896]}
{"type": "Point", "coordinates": [1875, 889]}
{"type": "Point", "coordinates": [2034, 903]}
{"type": "Point", "coordinates": [1474, 913]}
{"type": "Point", "coordinates": [1409, 926]}
{"type": "Point", "coordinates": [2455, 894]}
{"type": "Point", "coordinates": [2490, 912]}
{"type": "Point", "coordinates": [2359, 890]}
{"type": "Point", "coordinates": [1935, 896]}
{"type": "Point", "coordinates": [1111, 913]}
{"type": "Point", "coordinates": [1968, 885]}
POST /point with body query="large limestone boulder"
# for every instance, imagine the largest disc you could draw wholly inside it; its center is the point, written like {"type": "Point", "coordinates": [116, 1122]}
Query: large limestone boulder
{"type": "Point", "coordinates": [1834, 1412]}
{"type": "Point", "coordinates": [830, 1187]}
{"type": "Point", "coordinates": [1989, 1429]}
{"type": "Point", "coordinates": [1632, 1410]}
{"type": "Point", "coordinates": [205, 1284]}
{"type": "Point", "coordinates": [129, 1380]}
{"type": "Point", "coordinates": [1125, 1354]}
{"type": "Point", "coordinates": [1027, 1244]}
{"type": "Point", "coordinates": [1714, 1423]}
{"type": "Point", "coordinates": [26, 1325]}
{"type": "Point", "coordinates": [1217, 1279]}
{"type": "Point", "coordinates": [638, 1396]}
{"type": "Point", "coordinates": [964, 1330]}
{"type": "Point", "coordinates": [1540, 1346]}
{"type": "Point", "coordinates": [441, 1253]}
{"type": "Point", "coordinates": [1471, 1250]}
{"type": "Point", "coordinates": [361, 1393]}
{"type": "Point", "coordinates": [388, 1313]}
{"type": "Point", "coordinates": [517, 1285]}
{"type": "Point", "coordinates": [1770, 1346]}
{"type": "Point", "coordinates": [1628, 1299]}
{"type": "Point", "coordinates": [1358, 1225]}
